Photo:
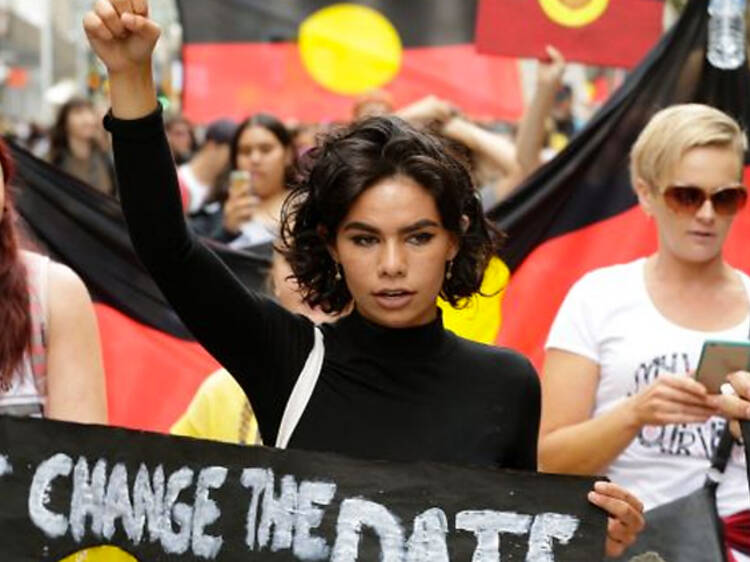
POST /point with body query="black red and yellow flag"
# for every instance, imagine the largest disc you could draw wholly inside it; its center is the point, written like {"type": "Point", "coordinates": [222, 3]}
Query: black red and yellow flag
{"type": "Point", "coordinates": [146, 349]}
{"type": "Point", "coordinates": [600, 32]}
{"type": "Point", "coordinates": [576, 213]}
{"type": "Point", "coordinates": [579, 212]}
{"type": "Point", "coordinates": [306, 59]}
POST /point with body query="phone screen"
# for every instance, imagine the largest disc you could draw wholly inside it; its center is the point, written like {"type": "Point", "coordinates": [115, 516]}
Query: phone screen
{"type": "Point", "coordinates": [719, 359]}
{"type": "Point", "coordinates": [239, 180]}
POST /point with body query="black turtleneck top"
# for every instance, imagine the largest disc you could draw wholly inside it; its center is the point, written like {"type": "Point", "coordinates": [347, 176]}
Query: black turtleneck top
{"type": "Point", "coordinates": [397, 394]}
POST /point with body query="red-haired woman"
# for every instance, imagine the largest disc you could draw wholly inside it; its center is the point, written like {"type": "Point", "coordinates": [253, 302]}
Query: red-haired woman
{"type": "Point", "coordinates": [50, 361]}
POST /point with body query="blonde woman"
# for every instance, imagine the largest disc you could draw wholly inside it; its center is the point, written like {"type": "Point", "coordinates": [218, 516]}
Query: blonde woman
{"type": "Point", "coordinates": [618, 397]}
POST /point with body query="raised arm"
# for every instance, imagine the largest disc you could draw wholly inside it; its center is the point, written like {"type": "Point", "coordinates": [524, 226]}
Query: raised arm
{"type": "Point", "coordinates": [261, 344]}
{"type": "Point", "coordinates": [491, 147]}
{"type": "Point", "coordinates": [531, 131]}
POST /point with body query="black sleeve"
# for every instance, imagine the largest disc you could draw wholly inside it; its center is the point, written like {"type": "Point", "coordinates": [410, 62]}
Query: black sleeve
{"type": "Point", "coordinates": [260, 343]}
{"type": "Point", "coordinates": [527, 436]}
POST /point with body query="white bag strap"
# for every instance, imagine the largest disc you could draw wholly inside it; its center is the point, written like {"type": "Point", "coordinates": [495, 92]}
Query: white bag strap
{"type": "Point", "coordinates": [302, 391]}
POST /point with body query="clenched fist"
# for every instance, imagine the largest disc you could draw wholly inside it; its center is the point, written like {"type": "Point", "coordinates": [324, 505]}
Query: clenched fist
{"type": "Point", "coordinates": [123, 37]}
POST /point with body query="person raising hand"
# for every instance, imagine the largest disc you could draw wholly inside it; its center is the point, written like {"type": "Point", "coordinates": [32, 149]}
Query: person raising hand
{"type": "Point", "coordinates": [384, 221]}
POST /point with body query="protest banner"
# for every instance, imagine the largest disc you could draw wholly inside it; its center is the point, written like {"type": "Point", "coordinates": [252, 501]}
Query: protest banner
{"type": "Point", "coordinates": [66, 487]}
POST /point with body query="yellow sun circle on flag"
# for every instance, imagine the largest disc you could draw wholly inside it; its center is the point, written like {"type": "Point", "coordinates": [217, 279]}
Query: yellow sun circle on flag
{"type": "Point", "coordinates": [574, 13]}
{"type": "Point", "coordinates": [350, 49]}
{"type": "Point", "coordinates": [100, 554]}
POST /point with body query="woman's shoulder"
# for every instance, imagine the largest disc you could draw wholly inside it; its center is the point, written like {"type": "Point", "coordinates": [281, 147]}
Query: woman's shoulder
{"type": "Point", "coordinates": [31, 258]}
{"type": "Point", "coordinates": [483, 358]}
{"type": "Point", "coordinates": [67, 291]}
{"type": "Point", "coordinates": [57, 273]}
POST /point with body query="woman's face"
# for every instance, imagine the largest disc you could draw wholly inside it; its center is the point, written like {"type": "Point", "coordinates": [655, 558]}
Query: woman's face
{"type": "Point", "coordinates": [81, 123]}
{"type": "Point", "coordinates": [694, 237]}
{"type": "Point", "coordinates": [393, 250]}
{"type": "Point", "coordinates": [261, 153]}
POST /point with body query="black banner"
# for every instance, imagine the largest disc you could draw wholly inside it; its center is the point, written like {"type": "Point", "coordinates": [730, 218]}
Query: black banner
{"type": "Point", "coordinates": [65, 487]}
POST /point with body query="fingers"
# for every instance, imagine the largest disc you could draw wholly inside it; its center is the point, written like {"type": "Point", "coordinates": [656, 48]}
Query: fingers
{"type": "Point", "coordinates": [242, 199]}
{"type": "Point", "coordinates": [108, 15]}
{"type": "Point", "coordinates": [684, 384]}
{"type": "Point", "coordinates": [239, 211]}
{"type": "Point", "coordinates": [678, 399]}
{"type": "Point", "coordinates": [679, 396]}
{"type": "Point", "coordinates": [141, 25]}
{"type": "Point", "coordinates": [740, 381]}
{"type": "Point", "coordinates": [626, 515]}
{"type": "Point", "coordinates": [622, 506]}
{"type": "Point", "coordinates": [122, 6]}
{"type": "Point", "coordinates": [619, 538]}
{"type": "Point", "coordinates": [140, 7]}
{"type": "Point", "coordinates": [137, 7]}
{"type": "Point", "coordinates": [674, 405]}
{"type": "Point", "coordinates": [95, 28]}
{"type": "Point", "coordinates": [615, 491]}
{"type": "Point", "coordinates": [732, 407]}
{"type": "Point", "coordinates": [667, 401]}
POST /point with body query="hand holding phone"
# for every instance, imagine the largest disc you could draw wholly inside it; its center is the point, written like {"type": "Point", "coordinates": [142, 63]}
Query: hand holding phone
{"type": "Point", "coordinates": [719, 359]}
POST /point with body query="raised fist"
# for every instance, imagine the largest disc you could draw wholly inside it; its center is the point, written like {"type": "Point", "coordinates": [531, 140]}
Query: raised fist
{"type": "Point", "coordinates": [121, 34]}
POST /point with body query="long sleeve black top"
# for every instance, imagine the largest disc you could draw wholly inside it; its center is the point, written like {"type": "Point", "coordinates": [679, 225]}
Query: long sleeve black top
{"type": "Point", "coordinates": [383, 393]}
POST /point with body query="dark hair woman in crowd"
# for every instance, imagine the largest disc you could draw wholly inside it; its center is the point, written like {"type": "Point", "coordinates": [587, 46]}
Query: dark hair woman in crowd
{"type": "Point", "coordinates": [76, 149]}
{"type": "Point", "coordinates": [262, 148]}
{"type": "Point", "coordinates": [181, 138]}
{"type": "Point", "coordinates": [50, 362]}
{"type": "Point", "coordinates": [386, 218]}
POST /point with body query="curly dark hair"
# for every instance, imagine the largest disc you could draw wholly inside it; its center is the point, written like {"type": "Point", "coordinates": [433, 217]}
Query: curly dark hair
{"type": "Point", "coordinates": [354, 158]}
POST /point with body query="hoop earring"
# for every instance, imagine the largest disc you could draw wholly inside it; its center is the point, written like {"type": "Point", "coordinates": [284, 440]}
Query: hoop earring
{"type": "Point", "coordinates": [338, 275]}
{"type": "Point", "coordinates": [449, 271]}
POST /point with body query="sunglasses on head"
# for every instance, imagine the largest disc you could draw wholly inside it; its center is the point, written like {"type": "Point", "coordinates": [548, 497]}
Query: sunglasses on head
{"type": "Point", "coordinates": [687, 199]}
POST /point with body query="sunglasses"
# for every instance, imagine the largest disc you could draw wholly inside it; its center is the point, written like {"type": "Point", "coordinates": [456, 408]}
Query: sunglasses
{"type": "Point", "coordinates": [687, 199]}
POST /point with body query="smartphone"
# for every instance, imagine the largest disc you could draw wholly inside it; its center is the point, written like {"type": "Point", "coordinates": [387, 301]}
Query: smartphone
{"type": "Point", "coordinates": [239, 180]}
{"type": "Point", "coordinates": [719, 359]}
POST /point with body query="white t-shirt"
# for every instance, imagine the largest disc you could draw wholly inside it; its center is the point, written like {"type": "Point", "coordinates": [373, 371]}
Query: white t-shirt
{"type": "Point", "coordinates": [608, 317]}
{"type": "Point", "coordinates": [197, 190]}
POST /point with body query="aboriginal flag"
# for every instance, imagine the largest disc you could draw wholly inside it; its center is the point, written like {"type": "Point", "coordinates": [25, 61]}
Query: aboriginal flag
{"type": "Point", "coordinates": [578, 212]}
{"type": "Point", "coordinates": [146, 349]}
{"type": "Point", "coordinates": [309, 59]}
{"type": "Point", "coordinates": [602, 32]}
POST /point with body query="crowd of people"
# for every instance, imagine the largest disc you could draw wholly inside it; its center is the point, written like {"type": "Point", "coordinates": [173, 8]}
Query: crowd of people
{"type": "Point", "coordinates": [368, 226]}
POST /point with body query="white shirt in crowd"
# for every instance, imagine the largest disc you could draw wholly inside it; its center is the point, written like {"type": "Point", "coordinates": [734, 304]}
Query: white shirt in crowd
{"type": "Point", "coordinates": [609, 318]}
{"type": "Point", "coordinates": [197, 190]}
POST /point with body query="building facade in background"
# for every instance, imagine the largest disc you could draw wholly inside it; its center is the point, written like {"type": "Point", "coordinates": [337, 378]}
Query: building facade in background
{"type": "Point", "coordinates": [44, 57]}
